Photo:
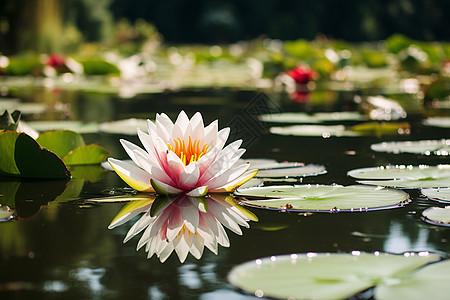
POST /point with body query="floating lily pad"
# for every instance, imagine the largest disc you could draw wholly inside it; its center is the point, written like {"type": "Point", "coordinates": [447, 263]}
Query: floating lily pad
{"type": "Point", "coordinates": [437, 216]}
{"type": "Point", "coordinates": [61, 142]}
{"type": "Point", "coordinates": [363, 129]}
{"type": "Point", "coordinates": [440, 194]}
{"type": "Point", "coordinates": [314, 130]}
{"type": "Point", "coordinates": [322, 198]}
{"type": "Point", "coordinates": [9, 121]}
{"type": "Point", "coordinates": [69, 145]}
{"type": "Point", "coordinates": [422, 176]}
{"type": "Point", "coordinates": [336, 276]}
{"type": "Point", "coordinates": [268, 168]}
{"type": "Point", "coordinates": [86, 155]}
{"type": "Point", "coordinates": [425, 147]}
{"type": "Point", "coordinates": [300, 117]}
{"type": "Point", "coordinates": [22, 156]}
{"type": "Point", "coordinates": [443, 122]}
{"type": "Point", "coordinates": [128, 126]}
{"type": "Point", "coordinates": [77, 126]}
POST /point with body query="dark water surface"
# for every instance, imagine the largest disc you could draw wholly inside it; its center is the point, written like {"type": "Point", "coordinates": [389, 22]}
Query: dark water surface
{"type": "Point", "coordinates": [64, 250]}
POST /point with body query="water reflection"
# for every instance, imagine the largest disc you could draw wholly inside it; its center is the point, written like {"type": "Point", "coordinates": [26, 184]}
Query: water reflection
{"type": "Point", "coordinates": [183, 224]}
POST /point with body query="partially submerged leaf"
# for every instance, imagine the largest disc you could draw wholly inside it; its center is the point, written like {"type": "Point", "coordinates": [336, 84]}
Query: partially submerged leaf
{"type": "Point", "coordinates": [10, 121]}
{"type": "Point", "coordinates": [22, 156]}
{"type": "Point", "coordinates": [322, 198]}
{"type": "Point", "coordinates": [325, 275]}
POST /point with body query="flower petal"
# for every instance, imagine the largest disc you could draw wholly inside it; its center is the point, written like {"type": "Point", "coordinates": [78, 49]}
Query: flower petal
{"type": "Point", "coordinates": [135, 177]}
{"type": "Point", "coordinates": [189, 176]}
{"type": "Point", "coordinates": [233, 185]}
{"type": "Point", "coordinates": [129, 211]}
{"type": "Point", "coordinates": [164, 189]}
{"type": "Point", "coordinates": [152, 168]}
{"type": "Point", "coordinates": [198, 192]}
{"type": "Point", "coordinates": [227, 176]}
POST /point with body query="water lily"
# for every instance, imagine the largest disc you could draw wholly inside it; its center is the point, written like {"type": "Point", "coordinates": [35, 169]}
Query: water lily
{"type": "Point", "coordinates": [184, 224]}
{"type": "Point", "coordinates": [183, 157]}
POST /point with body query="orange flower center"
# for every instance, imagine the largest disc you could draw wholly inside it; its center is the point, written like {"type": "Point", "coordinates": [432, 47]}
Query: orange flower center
{"type": "Point", "coordinates": [188, 152]}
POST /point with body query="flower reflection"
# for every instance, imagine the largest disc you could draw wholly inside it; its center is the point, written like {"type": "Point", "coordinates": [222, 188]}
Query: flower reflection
{"type": "Point", "coordinates": [184, 224]}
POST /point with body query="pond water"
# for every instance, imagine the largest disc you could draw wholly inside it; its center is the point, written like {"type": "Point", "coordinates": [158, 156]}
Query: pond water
{"type": "Point", "coordinates": [59, 249]}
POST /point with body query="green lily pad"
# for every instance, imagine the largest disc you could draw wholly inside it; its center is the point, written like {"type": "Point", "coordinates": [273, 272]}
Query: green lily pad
{"type": "Point", "coordinates": [331, 276]}
{"type": "Point", "coordinates": [61, 142]}
{"type": "Point", "coordinates": [268, 168]}
{"type": "Point", "coordinates": [422, 176]}
{"type": "Point", "coordinates": [22, 156]}
{"type": "Point", "coordinates": [429, 282]}
{"type": "Point", "coordinates": [322, 198]}
{"type": "Point", "coordinates": [86, 155]}
{"type": "Point", "coordinates": [437, 215]}
{"type": "Point", "coordinates": [77, 126]}
{"type": "Point", "coordinates": [439, 194]}
{"type": "Point", "coordinates": [425, 147]}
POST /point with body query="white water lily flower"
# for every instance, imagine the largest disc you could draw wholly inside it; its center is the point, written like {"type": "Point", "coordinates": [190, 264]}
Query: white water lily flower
{"type": "Point", "coordinates": [183, 157]}
{"type": "Point", "coordinates": [186, 224]}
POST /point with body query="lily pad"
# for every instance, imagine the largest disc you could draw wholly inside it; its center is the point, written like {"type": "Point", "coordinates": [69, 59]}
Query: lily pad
{"type": "Point", "coordinates": [333, 276]}
{"type": "Point", "coordinates": [86, 155]}
{"type": "Point", "coordinates": [425, 147]}
{"type": "Point", "coordinates": [9, 121]}
{"type": "Point", "coordinates": [61, 142]}
{"type": "Point", "coordinates": [421, 176]}
{"type": "Point", "coordinates": [322, 198]}
{"type": "Point", "coordinates": [300, 117]}
{"type": "Point", "coordinates": [128, 126]}
{"type": "Point", "coordinates": [440, 194]}
{"type": "Point", "coordinates": [77, 126]}
{"type": "Point", "coordinates": [314, 130]}
{"type": "Point", "coordinates": [437, 216]}
{"type": "Point", "coordinates": [268, 168]}
{"type": "Point", "coordinates": [443, 122]}
{"type": "Point", "coordinates": [22, 156]}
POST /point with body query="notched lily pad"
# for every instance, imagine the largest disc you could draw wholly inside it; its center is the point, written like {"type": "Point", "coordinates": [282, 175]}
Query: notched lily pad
{"type": "Point", "coordinates": [437, 216]}
{"type": "Point", "coordinates": [322, 198]}
{"type": "Point", "coordinates": [339, 276]}
{"type": "Point", "coordinates": [22, 156]}
{"type": "Point", "coordinates": [422, 176]}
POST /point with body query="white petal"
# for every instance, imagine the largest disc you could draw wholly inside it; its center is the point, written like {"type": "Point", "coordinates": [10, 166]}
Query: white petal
{"type": "Point", "coordinates": [197, 246]}
{"type": "Point", "coordinates": [130, 147]}
{"type": "Point", "coordinates": [182, 120]}
{"type": "Point", "coordinates": [233, 185]}
{"type": "Point", "coordinates": [227, 176]}
{"type": "Point", "coordinates": [153, 168]}
{"type": "Point", "coordinates": [165, 121]}
{"type": "Point", "coordinates": [135, 177]}
{"type": "Point", "coordinates": [210, 136]}
{"type": "Point", "coordinates": [175, 166]}
{"type": "Point", "coordinates": [164, 189]}
{"type": "Point", "coordinates": [198, 192]}
{"type": "Point", "coordinates": [189, 176]}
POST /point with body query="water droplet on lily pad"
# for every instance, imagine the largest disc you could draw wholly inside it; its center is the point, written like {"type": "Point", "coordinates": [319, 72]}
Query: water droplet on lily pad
{"type": "Point", "coordinates": [322, 198]}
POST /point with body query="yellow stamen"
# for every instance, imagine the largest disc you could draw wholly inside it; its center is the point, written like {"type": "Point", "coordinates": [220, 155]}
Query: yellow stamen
{"type": "Point", "coordinates": [190, 152]}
